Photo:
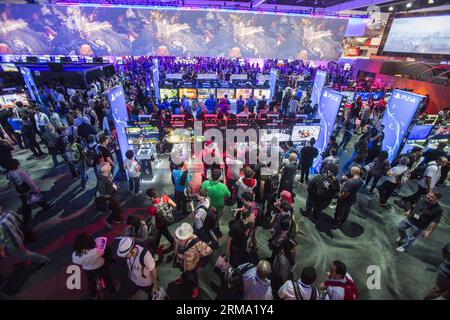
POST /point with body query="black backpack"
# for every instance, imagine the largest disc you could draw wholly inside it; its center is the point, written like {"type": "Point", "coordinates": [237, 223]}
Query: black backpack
{"type": "Point", "coordinates": [234, 278]}
{"type": "Point", "coordinates": [298, 294]}
{"type": "Point", "coordinates": [61, 144]}
{"type": "Point", "coordinates": [92, 157]}
{"type": "Point", "coordinates": [419, 171]}
{"type": "Point", "coordinates": [211, 217]}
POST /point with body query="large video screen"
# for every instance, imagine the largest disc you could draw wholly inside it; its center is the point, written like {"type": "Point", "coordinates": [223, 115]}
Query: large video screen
{"type": "Point", "coordinates": [244, 92]}
{"type": "Point", "coordinates": [204, 93]}
{"type": "Point", "coordinates": [420, 35]}
{"type": "Point", "coordinates": [120, 31]}
{"type": "Point", "coordinates": [142, 135]}
{"type": "Point", "coordinates": [189, 93]}
{"type": "Point", "coordinates": [170, 93]}
{"type": "Point", "coordinates": [282, 135]}
{"type": "Point", "coordinates": [222, 92]}
{"type": "Point", "coordinates": [259, 93]}
{"type": "Point", "coordinates": [305, 133]}
{"type": "Point", "coordinates": [419, 132]}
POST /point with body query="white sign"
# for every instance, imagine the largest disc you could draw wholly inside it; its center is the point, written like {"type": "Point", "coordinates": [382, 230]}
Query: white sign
{"type": "Point", "coordinates": [206, 76]}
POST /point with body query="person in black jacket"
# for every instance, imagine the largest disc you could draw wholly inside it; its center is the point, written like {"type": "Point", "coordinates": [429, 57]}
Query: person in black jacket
{"type": "Point", "coordinates": [307, 156]}
{"type": "Point", "coordinates": [5, 153]}
{"type": "Point", "coordinates": [108, 190]}
{"type": "Point", "coordinates": [287, 174]}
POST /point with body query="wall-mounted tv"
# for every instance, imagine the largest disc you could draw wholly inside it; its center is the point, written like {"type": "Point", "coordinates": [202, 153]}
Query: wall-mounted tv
{"type": "Point", "coordinates": [418, 35]}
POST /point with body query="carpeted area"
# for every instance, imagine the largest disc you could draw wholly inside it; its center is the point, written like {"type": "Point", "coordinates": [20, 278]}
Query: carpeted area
{"type": "Point", "coordinates": [368, 238]}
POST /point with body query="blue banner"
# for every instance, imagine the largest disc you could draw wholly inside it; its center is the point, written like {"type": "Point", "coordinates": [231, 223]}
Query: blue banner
{"type": "Point", "coordinates": [319, 83]}
{"type": "Point", "coordinates": [402, 107]}
{"type": "Point", "coordinates": [329, 104]}
{"type": "Point", "coordinates": [273, 82]}
{"type": "Point", "coordinates": [117, 103]}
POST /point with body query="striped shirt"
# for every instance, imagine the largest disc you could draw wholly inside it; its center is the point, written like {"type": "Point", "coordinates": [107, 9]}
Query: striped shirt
{"type": "Point", "coordinates": [10, 232]}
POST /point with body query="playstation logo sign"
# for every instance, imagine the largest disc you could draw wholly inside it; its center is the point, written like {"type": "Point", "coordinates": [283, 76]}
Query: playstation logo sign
{"type": "Point", "coordinates": [330, 96]}
{"type": "Point", "coordinates": [404, 97]}
{"type": "Point", "coordinates": [117, 94]}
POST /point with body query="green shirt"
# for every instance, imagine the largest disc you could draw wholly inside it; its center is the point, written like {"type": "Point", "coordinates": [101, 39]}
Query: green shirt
{"type": "Point", "coordinates": [217, 192]}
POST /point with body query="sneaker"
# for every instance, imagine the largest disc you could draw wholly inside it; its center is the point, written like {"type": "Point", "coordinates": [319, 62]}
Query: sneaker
{"type": "Point", "coordinates": [43, 265]}
{"type": "Point", "coordinates": [401, 249]}
{"type": "Point", "coordinates": [332, 206]}
{"type": "Point", "coordinates": [195, 293]}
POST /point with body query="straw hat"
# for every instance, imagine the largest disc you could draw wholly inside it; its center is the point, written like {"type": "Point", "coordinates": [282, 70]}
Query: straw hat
{"type": "Point", "coordinates": [184, 231]}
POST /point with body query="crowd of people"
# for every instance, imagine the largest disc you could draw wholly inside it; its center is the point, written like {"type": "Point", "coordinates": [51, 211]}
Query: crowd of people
{"type": "Point", "coordinates": [77, 129]}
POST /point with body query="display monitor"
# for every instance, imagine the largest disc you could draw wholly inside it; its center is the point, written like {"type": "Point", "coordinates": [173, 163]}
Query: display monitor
{"type": "Point", "coordinates": [9, 100]}
{"type": "Point", "coordinates": [244, 92]}
{"type": "Point", "coordinates": [259, 93]}
{"type": "Point", "coordinates": [146, 134]}
{"type": "Point", "coordinates": [364, 95]}
{"type": "Point", "coordinates": [225, 91]}
{"type": "Point", "coordinates": [282, 135]}
{"type": "Point", "coordinates": [441, 133]}
{"type": "Point", "coordinates": [419, 35]}
{"type": "Point", "coordinates": [190, 93]}
{"type": "Point", "coordinates": [170, 93]}
{"type": "Point", "coordinates": [9, 67]}
{"type": "Point", "coordinates": [204, 93]}
{"type": "Point", "coordinates": [419, 132]}
{"type": "Point", "coordinates": [305, 133]}
{"type": "Point", "coordinates": [376, 95]}
{"type": "Point", "coordinates": [348, 94]}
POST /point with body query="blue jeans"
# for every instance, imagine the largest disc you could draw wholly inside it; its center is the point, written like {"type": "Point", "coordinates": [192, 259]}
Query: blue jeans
{"type": "Point", "coordinates": [406, 239]}
{"type": "Point", "coordinates": [79, 168]}
{"type": "Point", "coordinates": [350, 161]}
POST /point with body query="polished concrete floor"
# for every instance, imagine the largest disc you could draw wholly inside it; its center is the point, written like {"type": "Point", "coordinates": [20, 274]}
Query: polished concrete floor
{"type": "Point", "coordinates": [367, 239]}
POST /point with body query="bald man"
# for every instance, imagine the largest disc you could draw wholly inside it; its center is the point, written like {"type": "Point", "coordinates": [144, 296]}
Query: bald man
{"type": "Point", "coordinates": [347, 197]}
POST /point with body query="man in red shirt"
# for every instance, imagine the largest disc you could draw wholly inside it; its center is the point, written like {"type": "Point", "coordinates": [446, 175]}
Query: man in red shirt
{"type": "Point", "coordinates": [161, 226]}
{"type": "Point", "coordinates": [245, 184]}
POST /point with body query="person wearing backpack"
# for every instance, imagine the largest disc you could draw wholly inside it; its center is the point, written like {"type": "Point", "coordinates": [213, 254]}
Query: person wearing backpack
{"type": "Point", "coordinates": [302, 289]}
{"type": "Point", "coordinates": [25, 186]}
{"type": "Point", "coordinates": [181, 179]}
{"type": "Point", "coordinates": [134, 172]}
{"type": "Point", "coordinates": [340, 285]}
{"type": "Point", "coordinates": [141, 266]}
{"type": "Point", "coordinates": [143, 232]}
{"type": "Point", "coordinates": [92, 154]}
{"type": "Point", "coordinates": [162, 208]}
{"type": "Point", "coordinates": [256, 283]}
{"type": "Point", "coordinates": [321, 191]}
{"type": "Point", "coordinates": [426, 184]}
{"type": "Point", "coordinates": [378, 170]}
{"type": "Point", "coordinates": [205, 219]}
{"type": "Point", "coordinates": [307, 156]}
{"type": "Point", "coordinates": [189, 251]}
{"type": "Point", "coordinates": [75, 156]}
{"type": "Point", "coordinates": [107, 190]}
{"type": "Point", "coordinates": [395, 178]}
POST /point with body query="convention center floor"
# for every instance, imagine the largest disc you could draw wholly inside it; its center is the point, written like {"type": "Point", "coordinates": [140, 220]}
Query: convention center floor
{"type": "Point", "coordinates": [367, 239]}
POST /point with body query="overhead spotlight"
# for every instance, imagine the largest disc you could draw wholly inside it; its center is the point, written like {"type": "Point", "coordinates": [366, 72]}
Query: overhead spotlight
{"type": "Point", "coordinates": [409, 5]}
{"type": "Point", "coordinates": [391, 8]}
{"type": "Point", "coordinates": [430, 1]}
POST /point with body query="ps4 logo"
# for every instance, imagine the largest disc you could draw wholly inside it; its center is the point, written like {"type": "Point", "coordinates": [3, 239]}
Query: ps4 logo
{"type": "Point", "coordinates": [404, 97]}
{"type": "Point", "coordinates": [330, 96]}
{"type": "Point", "coordinates": [115, 95]}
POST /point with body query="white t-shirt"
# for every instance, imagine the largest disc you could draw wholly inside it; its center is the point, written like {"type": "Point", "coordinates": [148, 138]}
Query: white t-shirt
{"type": "Point", "coordinates": [337, 293]}
{"type": "Point", "coordinates": [135, 268]}
{"type": "Point", "coordinates": [89, 260]}
{"type": "Point", "coordinates": [287, 292]}
{"type": "Point", "coordinates": [234, 168]}
{"type": "Point", "coordinates": [200, 214]}
{"type": "Point", "coordinates": [132, 167]}
{"type": "Point", "coordinates": [433, 171]}
{"type": "Point", "coordinates": [395, 172]}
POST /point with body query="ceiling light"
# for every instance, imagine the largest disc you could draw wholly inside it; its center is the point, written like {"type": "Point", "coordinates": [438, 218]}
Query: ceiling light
{"type": "Point", "coordinates": [409, 5]}
{"type": "Point", "coordinates": [430, 1]}
{"type": "Point", "coordinates": [391, 8]}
